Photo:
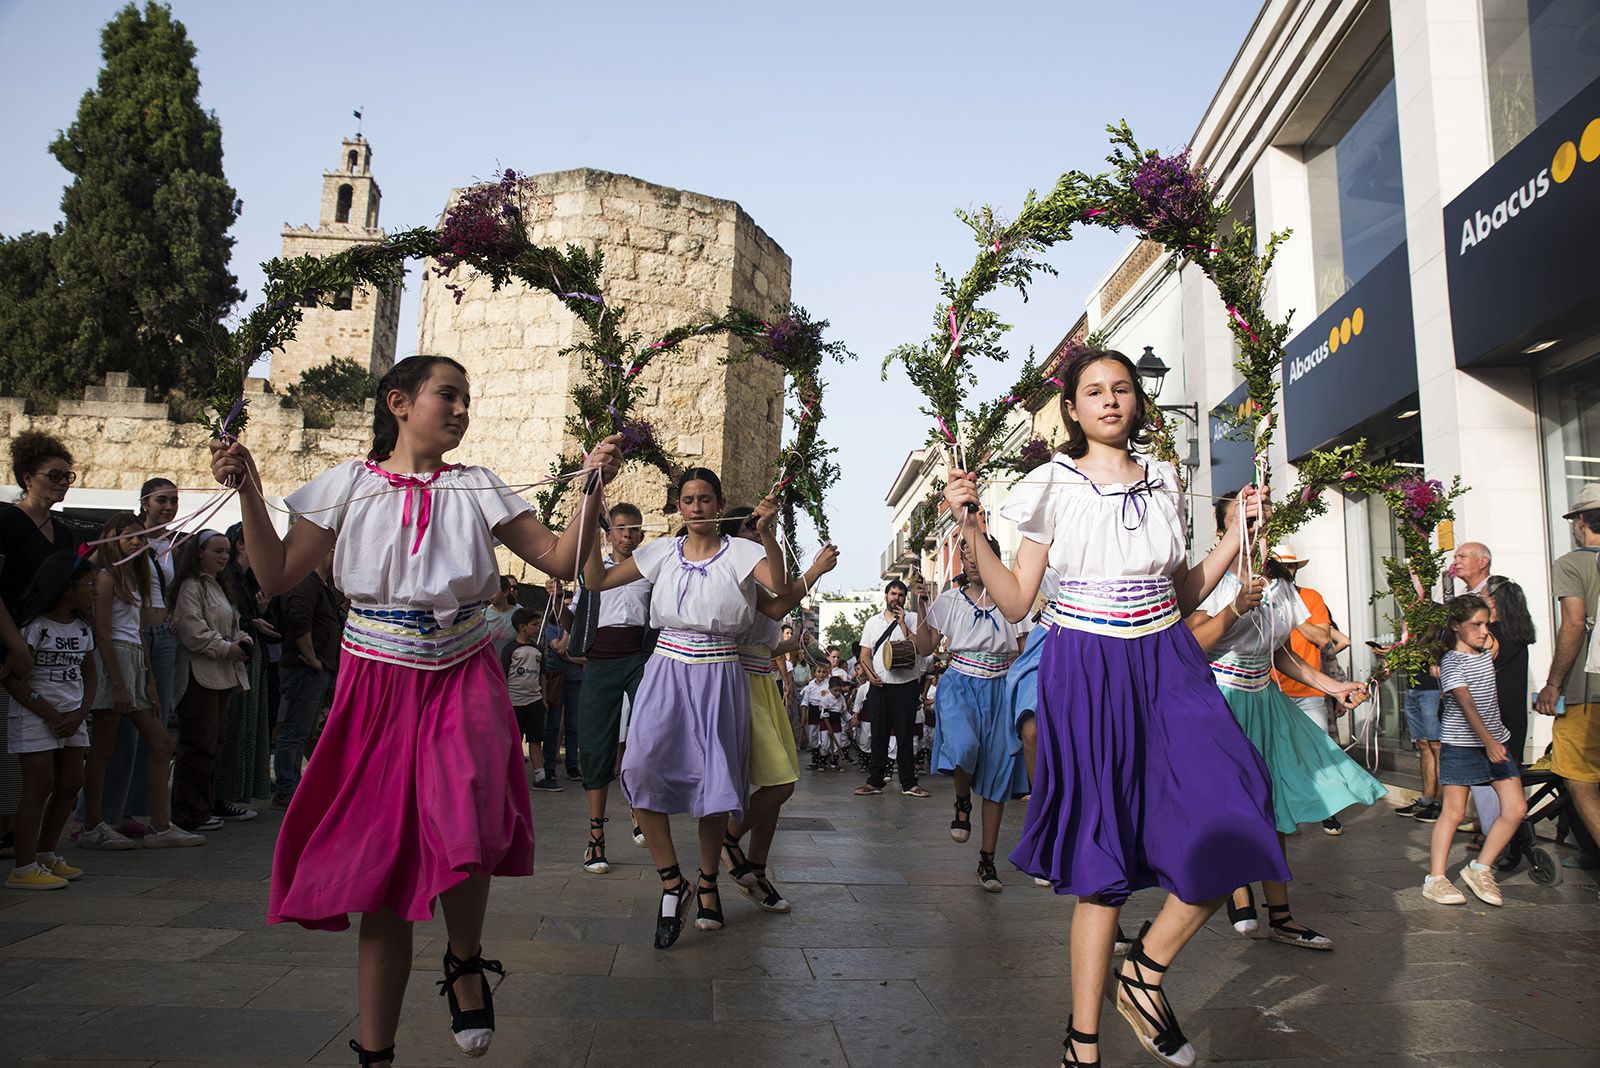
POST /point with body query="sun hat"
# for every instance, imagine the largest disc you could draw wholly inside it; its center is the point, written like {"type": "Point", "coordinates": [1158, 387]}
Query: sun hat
{"type": "Point", "coordinates": [1588, 500]}
{"type": "Point", "coordinates": [1284, 553]}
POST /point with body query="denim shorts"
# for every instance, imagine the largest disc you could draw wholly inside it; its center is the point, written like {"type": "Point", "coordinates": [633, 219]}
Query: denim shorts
{"type": "Point", "coordinates": [1468, 765]}
{"type": "Point", "coordinates": [1422, 715]}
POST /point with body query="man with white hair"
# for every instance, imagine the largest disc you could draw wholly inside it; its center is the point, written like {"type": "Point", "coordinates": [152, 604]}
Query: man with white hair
{"type": "Point", "coordinates": [1470, 565]}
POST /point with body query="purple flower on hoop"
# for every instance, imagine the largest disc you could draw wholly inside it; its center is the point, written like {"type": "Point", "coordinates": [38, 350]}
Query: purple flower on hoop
{"type": "Point", "coordinates": [638, 437]}
{"type": "Point", "coordinates": [1420, 494]}
{"type": "Point", "coordinates": [485, 227]}
{"type": "Point", "coordinates": [784, 338]}
{"type": "Point", "coordinates": [1172, 194]}
{"type": "Point", "coordinates": [1035, 452]}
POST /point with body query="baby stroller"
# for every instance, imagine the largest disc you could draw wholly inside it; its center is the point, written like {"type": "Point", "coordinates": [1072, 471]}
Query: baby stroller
{"type": "Point", "coordinates": [1548, 803]}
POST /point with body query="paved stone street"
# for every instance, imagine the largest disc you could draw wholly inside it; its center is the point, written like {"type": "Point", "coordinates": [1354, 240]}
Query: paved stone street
{"type": "Point", "coordinates": [892, 958]}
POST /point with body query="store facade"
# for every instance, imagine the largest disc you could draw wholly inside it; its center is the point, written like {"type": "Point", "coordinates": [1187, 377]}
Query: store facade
{"type": "Point", "coordinates": [1439, 166]}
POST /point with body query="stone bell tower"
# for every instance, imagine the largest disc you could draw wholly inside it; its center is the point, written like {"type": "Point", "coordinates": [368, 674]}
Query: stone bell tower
{"type": "Point", "coordinates": [362, 323]}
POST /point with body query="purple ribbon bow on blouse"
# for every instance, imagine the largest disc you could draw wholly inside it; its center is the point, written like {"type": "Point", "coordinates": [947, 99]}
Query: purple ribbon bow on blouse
{"type": "Point", "coordinates": [422, 487]}
{"type": "Point", "coordinates": [1136, 496]}
{"type": "Point", "coordinates": [699, 568]}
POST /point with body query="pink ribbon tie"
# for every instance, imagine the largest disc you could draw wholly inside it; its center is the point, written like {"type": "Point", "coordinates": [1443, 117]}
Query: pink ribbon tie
{"type": "Point", "coordinates": [414, 486]}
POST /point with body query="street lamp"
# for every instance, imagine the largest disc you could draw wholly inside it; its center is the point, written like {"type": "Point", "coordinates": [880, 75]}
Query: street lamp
{"type": "Point", "coordinates": [1154, 370]}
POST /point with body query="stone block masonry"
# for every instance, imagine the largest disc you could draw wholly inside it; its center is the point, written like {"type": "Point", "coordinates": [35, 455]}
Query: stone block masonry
{"type": "Point", "coordinates": [670, 255]}
{"type": "Point", "coordinates": [119, 438]}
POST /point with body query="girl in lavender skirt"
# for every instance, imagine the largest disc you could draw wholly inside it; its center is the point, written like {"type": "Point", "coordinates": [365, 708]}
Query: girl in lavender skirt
{"type": "Point", "coordinates": [1143, 776]}
{"type": "Point", "coordinates": [689, 738]}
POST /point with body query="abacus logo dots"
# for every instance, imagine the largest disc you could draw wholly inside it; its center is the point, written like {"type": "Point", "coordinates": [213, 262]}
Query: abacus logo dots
{"type": "Point", "coordinates": [1563, 164]}
{"type": "Point", "coordinates": [1339, 335]}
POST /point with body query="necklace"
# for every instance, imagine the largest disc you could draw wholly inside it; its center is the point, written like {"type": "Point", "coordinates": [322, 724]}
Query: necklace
{"type": "Point", "coordinates": [26, 507]}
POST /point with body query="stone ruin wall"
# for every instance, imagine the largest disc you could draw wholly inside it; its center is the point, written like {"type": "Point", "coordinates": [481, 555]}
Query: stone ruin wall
{"type": "Point", "coordinates": [669, 256]}
{"type": "Point", "coordinates": [119, 438]}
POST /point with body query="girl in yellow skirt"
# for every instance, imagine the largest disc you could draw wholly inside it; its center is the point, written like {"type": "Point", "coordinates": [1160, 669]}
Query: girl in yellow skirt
{"type": "Point", "coordinates": [774, 760]}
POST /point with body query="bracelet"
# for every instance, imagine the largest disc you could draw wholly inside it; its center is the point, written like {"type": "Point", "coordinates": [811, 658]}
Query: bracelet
{"type": "Point", "coordinates": [1234, 610]}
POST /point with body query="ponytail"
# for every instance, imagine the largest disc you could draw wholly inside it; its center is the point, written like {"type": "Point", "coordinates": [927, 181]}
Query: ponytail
{"type": "Point", "coordinates": [408, 376]}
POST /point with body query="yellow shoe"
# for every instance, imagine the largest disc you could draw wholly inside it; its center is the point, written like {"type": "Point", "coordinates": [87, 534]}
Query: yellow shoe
{"type": "Point", "coordinates": [34, 878]}
{"type": "Point", "coordinates": [62, 870]}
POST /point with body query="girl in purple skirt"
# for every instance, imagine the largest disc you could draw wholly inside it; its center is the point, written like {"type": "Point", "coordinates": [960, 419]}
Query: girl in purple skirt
{"type": "Point", "coordinates": [689, 738]}
{"type": "Point", "coordinates": [1143, 777]}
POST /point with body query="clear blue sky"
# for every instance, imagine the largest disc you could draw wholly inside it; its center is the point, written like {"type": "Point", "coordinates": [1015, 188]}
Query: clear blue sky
{"type": "Point", "coordinates": [848, 131]}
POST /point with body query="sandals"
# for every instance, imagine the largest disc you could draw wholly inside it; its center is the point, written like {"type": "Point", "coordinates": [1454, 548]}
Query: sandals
{"type": "Point", "coordinates": [669, 917]}
{"type": "Point", "coordinates": [988, 878]}
{"type": "Point", "coordinates": [914, 791]}
{"type": "Point", "coordinates": [769, 900]}
{"type": "Point", "coordinates": [707, 919]}
{"type": "Point", "coordinates": [1144, 1005]}
{"type": "Point", "coordinates": [473, 1028]}
{"type": "Point", "coordinates": [1069, 1055]}
{"type": "Point", "coordinates": [739, 866]}
{"type": "Point", "coordinates": [638, 836]}
{"type": "Point", "coordinates": [594, 854]}
{"type": "Point", "coordinates": [1244, 919]}
{"type": "Point", "coordinates": [868, 790]}
{"type": "Point", "coordinates": [1120, 947]}
{"type": "Point", "coordinates": [961, 826]}
{"type": "Point", "coordinates": [1298, 935]}
{"type": "Point", "coordinates": [366, 1056]}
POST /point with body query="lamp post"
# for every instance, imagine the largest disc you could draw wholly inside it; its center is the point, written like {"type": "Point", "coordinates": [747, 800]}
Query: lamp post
{"type": "Point", "coordinates": [1153, 370]}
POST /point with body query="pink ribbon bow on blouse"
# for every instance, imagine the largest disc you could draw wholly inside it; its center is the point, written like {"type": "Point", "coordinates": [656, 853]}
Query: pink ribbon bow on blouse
{"type": "Point", "coordinates": [423, 487]}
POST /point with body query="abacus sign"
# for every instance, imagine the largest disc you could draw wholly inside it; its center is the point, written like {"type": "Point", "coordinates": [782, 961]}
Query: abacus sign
{"type": "Point", "coordinates": [1232, 462]}
{"type": "Point", "coordinates": [1355, 360]}
{"type": "Point", "coordinates": [1520, 241]}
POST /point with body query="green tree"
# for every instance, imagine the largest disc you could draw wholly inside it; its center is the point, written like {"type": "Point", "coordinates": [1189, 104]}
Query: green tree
{"type": "Point", "coordinates": [341, 384]}
{"type": "Point", "coordinates": [845, 631]}
{"type": "Point", "coordinates": [143, 249]}
{"type": "Point", "coordinates": [34, 340]}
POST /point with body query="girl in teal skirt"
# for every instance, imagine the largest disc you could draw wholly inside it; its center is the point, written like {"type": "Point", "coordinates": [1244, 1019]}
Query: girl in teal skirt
{"type": "Point", "coordinates": [1244, 630]}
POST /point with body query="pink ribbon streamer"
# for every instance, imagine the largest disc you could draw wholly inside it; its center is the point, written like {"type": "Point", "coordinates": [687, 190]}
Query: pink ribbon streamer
{"type": "Point", "coordinates": [420, 487]}
{"type": "Point", "coordinates": [1241, 320]}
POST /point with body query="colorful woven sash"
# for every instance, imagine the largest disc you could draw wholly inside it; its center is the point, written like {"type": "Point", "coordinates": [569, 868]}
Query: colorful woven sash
{"type": "Point", "coordinates": [693, 647]}
{"type": "Point", "coordinates": [412, 638]}
{"type": "Point", "coordinates": [980, 665]}
{"type": "Point", "coordinates": [1239, 671]}
{"type": "Point", "coordinates": [756, 659]}
{"type": "Point", "coordinates": [1116, 608]}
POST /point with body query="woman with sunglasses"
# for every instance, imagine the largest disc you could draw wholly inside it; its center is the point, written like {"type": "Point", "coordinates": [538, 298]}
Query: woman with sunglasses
{"type": "Point", "coordinates": [29, 533]}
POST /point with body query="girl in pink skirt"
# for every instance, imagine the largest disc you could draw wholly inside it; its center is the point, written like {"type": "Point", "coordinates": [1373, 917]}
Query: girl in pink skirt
{"type": "Point", "coordinates": [416, 789]}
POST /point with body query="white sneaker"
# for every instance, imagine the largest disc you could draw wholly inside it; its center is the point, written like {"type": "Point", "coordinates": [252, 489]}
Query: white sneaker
{"type": "Point", "coordinates": [1480, 880]}
{"type": "Point", "coordinates": [1439, 888]}
{"type": "Point", "coordinates": [103, 836]}
{"type": "Point", "coordinates": [174, 837]}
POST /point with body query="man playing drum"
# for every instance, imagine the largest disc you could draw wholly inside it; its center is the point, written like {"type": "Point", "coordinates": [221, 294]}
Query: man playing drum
{"type": "Point", "coordinates": [894, 676]}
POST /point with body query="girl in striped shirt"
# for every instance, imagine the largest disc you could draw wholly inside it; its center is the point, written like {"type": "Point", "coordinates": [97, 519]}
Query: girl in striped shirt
{"type": "Point", "coordinates": [1473, 753]}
